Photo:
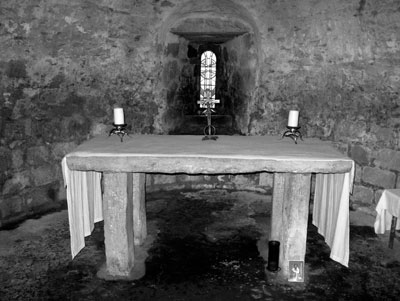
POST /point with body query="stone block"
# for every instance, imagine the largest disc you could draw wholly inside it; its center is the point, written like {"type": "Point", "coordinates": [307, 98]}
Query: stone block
{"type": "Point", "coordinates": [379, 177]}
{"type": "Point", "coordinates": [362, 194]}
{"type": "Point", "coordinates": [388, 159]}
{"type": "Point", "coordinates": [11, 207]}
{"type": "Point", "coordinates": [166, 3]}
{"type": "Point", "coordinates": [61, 149]}
{"type": "Point", "coordinates": [17, 159]}
{"type": "Point", "coordinates": [14, 130]}
{"type": "Point", "coordinates": [5, 159]}
{"type": "Point", "coordinates": [16, 69]}
{"type": "Point", "coordinates": [384, 134]}
{"type": "Point", "coordinates": [43, 175]}
{"type": "Point", "coordinates": [37, 155]}
{"type": "Point", "coordinates": [19, 181]}
{"type": "Point", "coordinates": [360, 154]}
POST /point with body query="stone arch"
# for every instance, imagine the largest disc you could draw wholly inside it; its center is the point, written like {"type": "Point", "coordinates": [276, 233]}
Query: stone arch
{"type": "Point", "coordinates": [225, 11]}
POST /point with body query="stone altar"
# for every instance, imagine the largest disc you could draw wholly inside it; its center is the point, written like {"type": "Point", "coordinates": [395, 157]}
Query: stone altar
{"type": "Point", "coordinates": [124, 165]}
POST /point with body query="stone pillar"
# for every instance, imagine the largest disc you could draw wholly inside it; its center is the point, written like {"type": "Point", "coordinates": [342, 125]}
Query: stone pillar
{"type": "Point", "coordinates": [124, 226]}
{"type": "Point", "coordinates": [137, 187]}
{"type": "Point", "coordinates": [290, 206]}
{"type": "Point", "coordinates": [118, 226]}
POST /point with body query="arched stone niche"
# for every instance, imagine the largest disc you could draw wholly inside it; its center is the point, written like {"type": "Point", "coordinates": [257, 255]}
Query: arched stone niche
{"type": "Point", "coordinates": [228, 30]}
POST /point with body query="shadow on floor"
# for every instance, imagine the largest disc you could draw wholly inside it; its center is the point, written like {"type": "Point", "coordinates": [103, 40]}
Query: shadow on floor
{"type": "Point", "coordinates": [205, 249]}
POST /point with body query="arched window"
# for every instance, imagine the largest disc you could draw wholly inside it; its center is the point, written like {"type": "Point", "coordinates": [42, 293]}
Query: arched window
{"type": "Point", "coordinates": [208, 70]}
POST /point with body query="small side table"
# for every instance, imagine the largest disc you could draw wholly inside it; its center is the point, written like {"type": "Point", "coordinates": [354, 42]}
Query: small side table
{"type": "Point", "coordinates": [388, 210]}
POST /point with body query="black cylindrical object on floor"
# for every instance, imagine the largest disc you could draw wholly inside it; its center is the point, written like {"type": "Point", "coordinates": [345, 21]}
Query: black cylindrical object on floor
{"type": "Point", "coordinates": [273, 255]}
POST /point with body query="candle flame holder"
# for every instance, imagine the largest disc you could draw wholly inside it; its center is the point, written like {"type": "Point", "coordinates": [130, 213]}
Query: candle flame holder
{"type": "Point", "coordinates": [120, 130]}
{"type": "Point", "coordinates": [293, 132]}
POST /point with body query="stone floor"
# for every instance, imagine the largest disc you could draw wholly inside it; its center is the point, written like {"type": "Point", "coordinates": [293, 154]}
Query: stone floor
{"type": "Point", "coordinates": [207, 246]}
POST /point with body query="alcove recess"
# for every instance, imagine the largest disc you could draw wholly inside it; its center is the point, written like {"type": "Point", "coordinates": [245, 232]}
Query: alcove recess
{"type": "Point", "coordinates": [231, 41]}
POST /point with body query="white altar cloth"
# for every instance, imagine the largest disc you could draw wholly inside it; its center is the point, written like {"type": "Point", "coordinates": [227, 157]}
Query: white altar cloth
{"type": "Point", "coordinates": [388, 206]}
{"type": "Point", "coordinates": [331, 212]}
{"type": "Point", "coordinates": [84, 204]}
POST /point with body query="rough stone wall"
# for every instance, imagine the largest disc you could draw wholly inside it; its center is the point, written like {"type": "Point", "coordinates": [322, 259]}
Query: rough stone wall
{"type": "Point", "coordinates": [242, 68]}
{"type": "Point", "coordinates": [338, 63]}
{"type": "Point", "coordinates": [65, 64]}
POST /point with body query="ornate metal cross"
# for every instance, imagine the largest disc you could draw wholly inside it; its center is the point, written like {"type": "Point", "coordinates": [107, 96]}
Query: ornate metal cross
{"type": "Point", "coordinates": [209, 104]}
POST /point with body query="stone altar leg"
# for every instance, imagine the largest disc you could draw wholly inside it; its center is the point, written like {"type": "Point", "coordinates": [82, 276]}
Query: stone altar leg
{"type": "Point", "coordinates": [118, 210]}
{"type": "Point", "coordinates": [138, 196]}
{"type": "Point", "coordinates": [290, 206]}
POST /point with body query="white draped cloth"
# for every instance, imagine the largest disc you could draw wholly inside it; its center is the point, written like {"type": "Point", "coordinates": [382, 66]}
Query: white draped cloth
{"type": "Point", "coordinates": [331, 212]}
{"type": "Point", "coordinates": [84, 204]}
{"type": "Point", "coordinates": [388, 207]}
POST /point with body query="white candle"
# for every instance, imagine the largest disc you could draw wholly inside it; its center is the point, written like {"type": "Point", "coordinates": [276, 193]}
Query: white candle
{"type": "Point", "coordinates": [119, 116]}
{"type": "Point", "coordinates": [293, 118]}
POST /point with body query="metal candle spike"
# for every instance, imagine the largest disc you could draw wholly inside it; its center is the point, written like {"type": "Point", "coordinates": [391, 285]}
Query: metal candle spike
{"type": "Point", "coordinates": [120, 130]}
{"type": "Point", "coordinates": [293, 132]}
{"type": "Point", "coordinates": [209, 130]}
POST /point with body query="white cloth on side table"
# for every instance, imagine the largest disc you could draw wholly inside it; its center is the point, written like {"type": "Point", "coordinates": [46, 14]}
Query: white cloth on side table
{"type": "Point", "coordinates": [388, 206]}
{"type": "Point", "coordinates": [331, 212]}
{"type": "Point", "coordinates": [84, 204]}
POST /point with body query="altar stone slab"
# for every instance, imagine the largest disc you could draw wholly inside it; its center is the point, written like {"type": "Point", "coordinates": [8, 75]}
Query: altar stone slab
{"type": "Point", "coordinates": [189, 154]}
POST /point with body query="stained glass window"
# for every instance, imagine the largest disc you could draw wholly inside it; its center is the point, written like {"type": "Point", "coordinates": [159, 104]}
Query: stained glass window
{"type": "Point", "coordinates": [208, 71]}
